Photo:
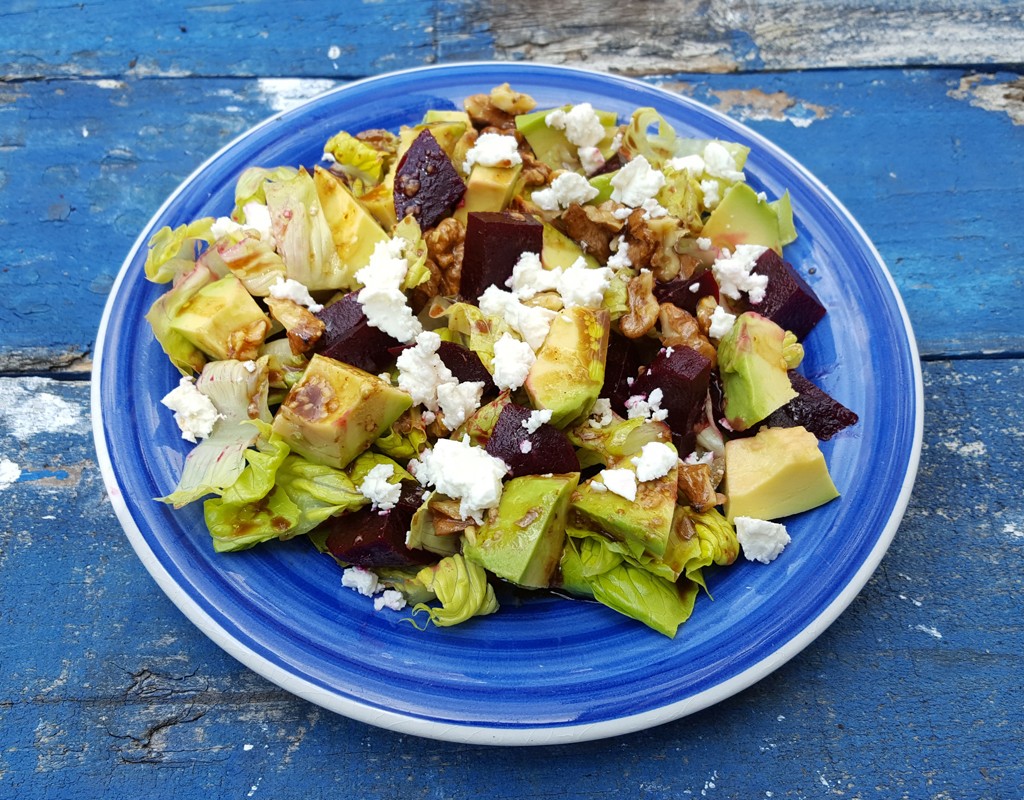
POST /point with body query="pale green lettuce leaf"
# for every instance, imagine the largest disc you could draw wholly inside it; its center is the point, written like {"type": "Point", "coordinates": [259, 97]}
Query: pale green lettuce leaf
{"type": "Point", "coordinates": [185, 356]}
{"type": "Point", "coordinates": [462, 588]}
{"type": "Point", "coordinates": [174, 252]}
{"type": "Point", "coordinates": [251, 186]}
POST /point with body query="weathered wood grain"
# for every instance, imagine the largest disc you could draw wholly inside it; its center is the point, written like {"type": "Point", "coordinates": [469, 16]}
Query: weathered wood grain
{"type": "Point", "coordinates": [913, 693]}
{"type": "Point", "coordinates": [921, 158]}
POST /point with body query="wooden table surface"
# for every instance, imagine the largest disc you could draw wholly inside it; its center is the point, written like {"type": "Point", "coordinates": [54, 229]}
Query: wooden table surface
{"type": "Point", "coordinates": [912, 113]}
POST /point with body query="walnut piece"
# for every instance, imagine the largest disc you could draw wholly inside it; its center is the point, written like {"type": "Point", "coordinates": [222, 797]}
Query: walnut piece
{"type": "Point", "coordinates": [694, 481]}
{"type": "Point", "coordinates": [506, 99]}
{"type": "Point", "coordinates": [643, 307]}
{"type": "Point", "coordinates": [445, 247]}
{"type": "Point", "coordinates": [592, 227]}
{"type": "Point", "coordinates": [679, 328]}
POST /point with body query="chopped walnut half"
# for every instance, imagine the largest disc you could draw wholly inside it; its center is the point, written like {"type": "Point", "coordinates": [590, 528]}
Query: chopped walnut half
{"type": "Point", "coordinates": [705, 309]}
{"type": "Point", "coordinates": [535, 172]}
{"type": "Point", "coordinates": [420, 295]}
{"type": "Point", "coordinates": [444, 513]}
{"type": "Point", "coordinates": [643, 307]}
{"type": "Point", "coordinates": [445, 247]}
{"type": "Point", "coordinates": [679, 328]}
{"type": "Point", "coordinates": [594, 229]}
{"type": "Point", "coordinates": [510, 101]}
{"type": "Point", "coordinates": [303, 327]}
{"type": "Point", "coordinates": [642, 241]}
{"type": "Point", "coordinates": [695, 484]}
{"type": "Point", "coordinates": [485, 114]}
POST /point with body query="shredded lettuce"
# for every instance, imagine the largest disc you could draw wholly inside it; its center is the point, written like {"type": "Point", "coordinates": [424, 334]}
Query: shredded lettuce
{"type": "Point", "coordinates": [415, 253]}
{"type": "Point", "coordinates": [357, 159]}
{"type": "Point", "coordinates": [406, 438]}
{"type": "Point", "coordinates": [251, 187]}
{"type": "Point", "coordinates": [462, 588]}
{"type": "Point", "coordinates": [254, 262]}
{"type": "Point", "coordinates": [174, 252]}
{"type": "Point", "coordinates": [713, 542]}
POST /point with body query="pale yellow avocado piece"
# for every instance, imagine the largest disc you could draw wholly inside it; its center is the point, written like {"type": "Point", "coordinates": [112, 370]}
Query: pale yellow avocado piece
{"type": "Point", "coordinates": [354, 230]}
{"type": "Point", "coordinates": [488, 189]}
{"type": "Point", "coordinates": [778, 472]}
{"type": "Point", "coordinates": [558, 250]}
{"type": "Point", "coordinates": [335, 411]}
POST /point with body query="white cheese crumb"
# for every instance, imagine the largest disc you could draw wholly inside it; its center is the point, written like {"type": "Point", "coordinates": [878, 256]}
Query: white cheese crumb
{"type": "Point", "coordinates": [598, 487]}
{"type": "Point", "coordinates": [493, 150]}
{"type": "Point", "coordinates": [761, 540]}
{"type": "Point", "coordinates": [721, 323]}
{"type": "Point", "coordinates": [591, 159]}
{"type": "Point", "coordinates": [694, 287]}
{"type": "Point", "coordinates": [250, 366]}
{"type": "Point", "coordinates": [376, 488]}
{"type": "Point", "coordinates": [194, 412]}
{"type": "Point", "coordinates": [465, 473]}
{"type": "Point", "coordinates": [529, 277]}
{"type": "Point", "coordinates": [512, 362]}
{"type": "Point", "coordinates": [653, 209]}
{"type": "Point", "coordinates": [536, 419]}
{"type": "Point", "coordinates": [291, 289]}
{"type": "Point", "coordinates": [693, 164]}
{"type": "Point", "coordinates": [257, 218]}
{"type": "Point", "coordinates": [530, 322]}
{"type": "Point", "coordinates": [381, 297]}
{"type": "Point", "coordinates": [421, 370]}
{"type": "Point", "coordinates": [719, 163]}
{"type": "Point", "coordinates": [703, 242]}
{"type": "Point", "coordinates": [619, 259]}
{"type": "Point", "coordinates": [636, 182]}
{"type": "Point", "coordinates": [709, 188]}
{"type": "Point", "coordinates": [582, 126]}
{"type": "Point", "coordinates": [458, 401]}
{"type": "Point", "coordinates": [391, 598]}
{"type": "Point", "coordinates": [620, 481]}
{"type": "Point", "coordinates": [224, 226]}
{"type": "Point", "coordinates": [601, 414]}
{"type": "Point", "coordinates": [525, 446]}
{"type": "Point", "coordinates": [566, 189]}
{"type": "Point", "coordinates": [694, 459]}
{"type": "Point", "coordinates": [762, 197]}
{"type": "Point", "coordinates": [580, 285]}
{"type": "Point", "coordinates": [647, 406]}
{"type": "Point", "coordinates": [733, 273]}
{"type": "Point", "coordinates": [656, 460]}
{"type": "Point", "coordinates": [361, 580]}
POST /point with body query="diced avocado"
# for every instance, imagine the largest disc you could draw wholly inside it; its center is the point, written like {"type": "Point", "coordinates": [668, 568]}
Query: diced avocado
{"type": "Point", "coordinates": [223, 321]}
{"type": "Point", "coordinates": [552, 147]}
{"type": "Point", "coordinates": [755, 375]}
{"type": "Point", "coordinates": [568, 373]}
{"type": "Point", "coordinates": [603, 184]}
{"type": "Point", "coordinates": [446, 132]}
{"type": "Point", "coordinates": [480, 424]}
{"type": "Point", "coordinates": [380, 202]}
{"type": "Point", "coordinates": [646, 520]}
{"type": "Point", "coordinates": [743, 218]}
{"type": "Point", "coordinates": [445, 115]}
{"type": "Point", "coordinates": [778, 472]}
{"type": "Point", "coordinates": [783, 208]}
{"type": "Point", "coordinates": [523, 542]}
{"type": "Point", "coordinates": [423, 535]}
{"type": "Point", "coordinates": [622, 437]}
{"type": "Point", "coordinates": [488, 189]}
{"type": "Point", "coordinates": [354, 230]}
{"type": "Point", "coordinates": [335, 411]}
{"type": "Point", "coordinates": [558, 250]}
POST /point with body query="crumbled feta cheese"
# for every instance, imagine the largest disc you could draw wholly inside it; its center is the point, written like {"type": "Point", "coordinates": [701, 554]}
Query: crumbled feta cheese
{"type": "Point", "coordinates": [693, 459]}
{"type": "Point", "coordinates": [421, 370]}
{"type": "Point", "coordinates": [512, 362]}
{"type": "Point", "coordinates": [761, 540]}
{"type": "Point", "coordinates": [647, 406]}
{"type": "Point", "coordinates": [668, 351]}
{"type": "Point", "coordinates": [653, 209]}
{"type": "Point", "coordinates": [733, 273]}
{"type": "Point", "coordinates": [381, 297]}
{"type": "Point", "coordinates": [224, 226]}
{"type": "Point", "coordinates": [598, 487]}
{"type": "Point", "coordinates": [566, 189]}
{"type": "Point", "coordinates": [762, 197]}
{"type": "Point", "coordinates": [530, 322]}
{"type": "Point", "coordinates": [376, 488]}
{"type": "Point", "coordinates": [536, 419]}
{"type": "Point", "coordinates": [694, 287]}
{"type": "Point", "coordinates": [525, 446]}
{"type": "Point", "coordinates": [385, 376]}
{"type": "Point", "coordinates": [580, 285]}
{"type": "Point", "coordinates": [591, 159]}
{"type": "Point", "coordinates": [194, 412]}
{"type": "Point", "coordinates": [582, 126]}
{"type": "Point", "coordinates": [529, 277]}
{"type": "Point", "coordinates": [391, 598]}
{"type": "Point", "coordinates": [250, 366]}
{"type": "Point", "coordinates": [619, 259]}
{"type": "Point", "coordinates": [719, 163]}
{"type": "Point", "coordinates": [458, 401]}
{"type": "Point", "coordinates": [291, 289]}
{"type": "Point", "coordinates": [636, 182]}
{"type": "Point", "coordinates": [703, 242]}
{"type": "Point", "coordinates": [428, 417]}
{"type": "Point", "coordinates": [361, 580]}
{"type": "Point", "coordinates": [620, 481]}
{"type": "Point", "coordinates": [721, 323]}
{"type": "Point", "coordinates": [257, 218]}
{"type": "Point", "coordinates": [493, 150]}
{"type": "Point", "coordinates": [693, 164]}
{"type": "Point", "coordinates": [656, 460]}
{"type": "Point", "coordinates": [622, 213]}
{"type": "Point", "coordinates": [465, 473]}
{"type": "Point", "coordinates": [601, 414]}
{"type": "Point", "coordinates": [709, 188]}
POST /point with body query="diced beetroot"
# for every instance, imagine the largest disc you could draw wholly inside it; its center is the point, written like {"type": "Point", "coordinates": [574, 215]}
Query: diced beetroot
{"type": "Point", "coordinates": [683, 375]}
{"type": "Point", "coordinates": [788, 302]}
{"type": "Point", "coordinates": [494, 242]}
{"type": "Point", "coordinates": [679, 291]}
{"type": "Point", "coordinates": [427, 185]}
{"type": "Point", "coordinates": [547, 448]}
{"type": "Point", "coordinates": [466, 365]}
{"type": "Point", "coordinates": [368, 538]}
{"type": "Point", "coordinates": [623, 362]}
{"type": "Point", "coordinates": [813, 408]}
{"type": "Point", "coordinates": [350, 338]}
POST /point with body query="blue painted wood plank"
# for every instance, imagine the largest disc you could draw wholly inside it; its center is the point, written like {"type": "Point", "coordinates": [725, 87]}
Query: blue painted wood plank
{"type": "Point", "coordinates": [920, 157]}
{"type": "Point", "coordinates": [108, 692]}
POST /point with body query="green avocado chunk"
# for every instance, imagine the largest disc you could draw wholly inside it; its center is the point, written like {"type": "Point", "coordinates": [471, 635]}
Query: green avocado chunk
{"type": "Point", "coordinates": [223, 321]}
{"type": "Point", "coordinates": [744, 218]}
{"type": "Point", "coordinates": [523, 542]}
{"type": "Point", "coordinates": [335, 411]}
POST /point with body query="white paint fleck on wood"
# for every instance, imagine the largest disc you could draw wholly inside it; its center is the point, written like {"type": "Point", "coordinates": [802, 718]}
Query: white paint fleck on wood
{"type": "Point", "coordinates": [28, 409]}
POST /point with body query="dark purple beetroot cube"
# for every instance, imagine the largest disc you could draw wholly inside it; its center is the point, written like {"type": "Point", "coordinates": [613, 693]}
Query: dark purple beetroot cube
{"type": "Point", "coordinates": [427, 185]}
{"type": "Point", "coordinates": [788, 301]}
{"type": "Point", "coordinates": [545, 450]}
{"type": "Point", "coordinates": [683, 375]}
{"type": "Point", "coordinates": [679, 291]}
{"type": "Point", "coordinates": [371, 539]}
{"type": "Point", "coordinates": [350, 338]}
{"type": "Point", "coordinates": [466, 366]}
{"type": "Point", "coordinates": [623, 363]}
{"type": "Point", "coordinates": [813, 408]}
{"type": "Point", "coordinates": [494, 242]}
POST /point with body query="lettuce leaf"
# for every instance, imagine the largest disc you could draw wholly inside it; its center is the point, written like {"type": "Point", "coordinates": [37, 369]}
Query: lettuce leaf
{"type": "Point", "coordinates": [462, 588]}
{"type": "Point", "coordinates": [358, 160]}
{"type": "Point", "coordinates": [415, 253]}
{"type": "Point", "coordinates": [406, 438]}
{"type": "Point", "coordinates": [185, 356]}
{"type": "Point", "coordinates": [253, 261]}
{"type": "Point", "coordinates": [251, 187]}
{"type": "Point", "coordinates": [174, 252]}
{"type": "Point", "coordinates": [713, 542]}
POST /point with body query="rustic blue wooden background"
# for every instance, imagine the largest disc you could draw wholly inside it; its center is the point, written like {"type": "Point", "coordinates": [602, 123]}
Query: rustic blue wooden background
{"type": "Point", "coordinates": [913, 113]}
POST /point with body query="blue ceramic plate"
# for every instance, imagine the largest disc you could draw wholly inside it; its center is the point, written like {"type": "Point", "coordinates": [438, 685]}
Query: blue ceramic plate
{"type": "Point", "coordinates": [544, 669]}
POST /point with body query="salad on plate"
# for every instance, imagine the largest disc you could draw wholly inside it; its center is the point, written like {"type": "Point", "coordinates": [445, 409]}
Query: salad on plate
{"type": "Point", "coordinates": [545, 347]}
